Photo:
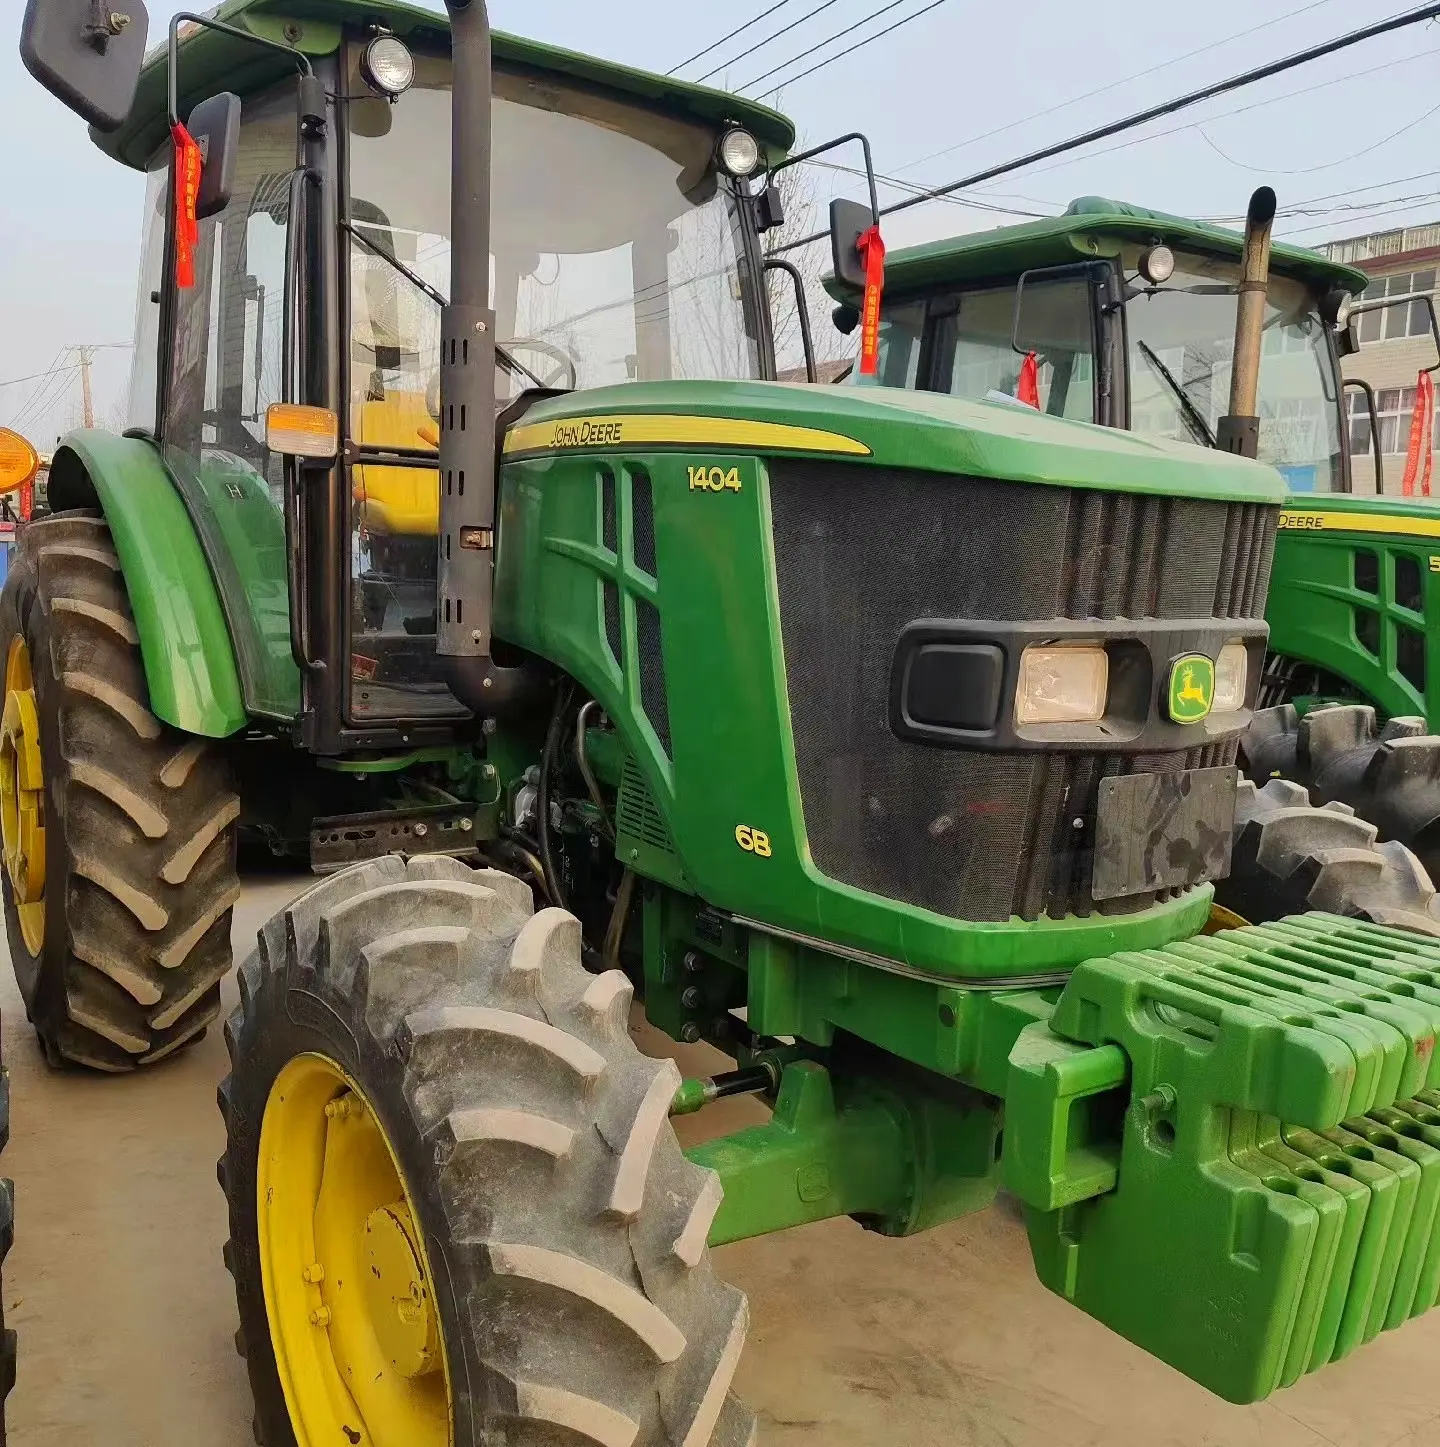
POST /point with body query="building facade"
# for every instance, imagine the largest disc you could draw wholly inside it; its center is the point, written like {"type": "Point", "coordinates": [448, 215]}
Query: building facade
{"type": "Point", "coordinates": [1395, 344]}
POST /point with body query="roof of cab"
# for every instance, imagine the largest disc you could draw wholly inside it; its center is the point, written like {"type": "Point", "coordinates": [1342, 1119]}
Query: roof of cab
{"type": "Point", "coordinates": [211, 61]}
{"type": "Point", "coordinates": [1091, 226]}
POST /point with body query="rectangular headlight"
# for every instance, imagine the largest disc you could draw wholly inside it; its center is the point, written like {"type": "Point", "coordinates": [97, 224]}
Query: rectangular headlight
{"type": "Point", "coordinates": [1230, 670]}
{"type": "Point", "coordinates": [1062, 683]}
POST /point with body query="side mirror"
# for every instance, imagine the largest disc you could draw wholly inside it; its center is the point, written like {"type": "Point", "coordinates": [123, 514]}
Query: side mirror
{"type": "Point", "coordinates": [849, 221]}
{"type": "Point", "coordinates": [1385, 304]}
{"type": "Point", "coordinates": [215, 125]}
{"type": "Point", "coordinates": [87, 54]}
{"type": "Point", "coordinates": [1051, 318]}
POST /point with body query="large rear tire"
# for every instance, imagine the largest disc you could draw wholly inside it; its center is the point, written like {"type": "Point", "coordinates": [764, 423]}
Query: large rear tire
{"type": "Point", "coordinates": [1388, 773]}
{"type": "Point", "coordinates": [1290, 857]}
{"type": "Point", "coordinates": [118, 830]}
{"type": "Point", "coordinates": [555, 1285]}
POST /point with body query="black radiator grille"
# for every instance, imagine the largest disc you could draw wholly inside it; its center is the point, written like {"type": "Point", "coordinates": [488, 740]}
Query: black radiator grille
{"type": "Point", "coordinates": [861, 552]}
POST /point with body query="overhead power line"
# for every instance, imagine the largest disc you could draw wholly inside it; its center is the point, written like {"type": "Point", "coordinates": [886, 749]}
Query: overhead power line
{"type": "Point", "coordinates": [821, 44]}
{"type": "Point", "coordinates": [1112, 85]}
{"type": "Point", "coordinates": [761, 44]}
{"type": "Point", "coordinates": [1140, 118]}
{"type": "Point", "coordinates": [1328, 165]}
{"type": "Point", "coordinates": [49, 372]}
{"type": "Point", "coordinates": [716, 44]}
{"type": "Point", "coordinates": [1351, 75]}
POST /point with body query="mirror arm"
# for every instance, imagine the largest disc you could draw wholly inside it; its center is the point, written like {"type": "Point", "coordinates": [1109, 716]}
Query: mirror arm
{"type": "Point", "coordinates": [1363, 386]}
{"type": "Point", "coordinates": [172, 80]}
{"type": "Point", "coordinates": [833, 145]}
{"type": "Point", "coordinates": [802, 310]}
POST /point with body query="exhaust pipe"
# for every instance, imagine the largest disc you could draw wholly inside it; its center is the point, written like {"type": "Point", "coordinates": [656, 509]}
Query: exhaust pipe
{"type": "Point", "coordinates": [468, 459]}
{"type": "Point", "coordinates": [1239, 430]}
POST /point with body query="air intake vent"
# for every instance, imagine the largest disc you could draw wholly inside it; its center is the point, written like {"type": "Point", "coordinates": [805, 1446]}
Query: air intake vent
{"type": "Point", "coordinates": [652, 671]}
{"type": "Point", "coordinates": [636, 814]}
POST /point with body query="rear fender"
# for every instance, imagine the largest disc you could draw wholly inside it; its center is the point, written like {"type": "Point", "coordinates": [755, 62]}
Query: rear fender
{"type": "Point", "coordinates": [185, 644]}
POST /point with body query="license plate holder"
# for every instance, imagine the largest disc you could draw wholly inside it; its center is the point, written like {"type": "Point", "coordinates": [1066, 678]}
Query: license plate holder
{"type": "Point", "coordinates": [1163, 831]}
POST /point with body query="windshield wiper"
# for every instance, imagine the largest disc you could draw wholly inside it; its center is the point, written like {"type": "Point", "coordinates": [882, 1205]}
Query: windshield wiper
{"type": "Point", "coordinates": [516, 369]}
{"type": "Point", "coordinates": [1191, 413]}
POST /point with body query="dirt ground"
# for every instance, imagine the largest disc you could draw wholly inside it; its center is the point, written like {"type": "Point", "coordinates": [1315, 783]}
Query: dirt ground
{"type": "Point", "coordinates": [126, 1315]}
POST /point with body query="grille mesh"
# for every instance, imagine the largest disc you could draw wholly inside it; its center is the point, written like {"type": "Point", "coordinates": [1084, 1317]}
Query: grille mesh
{"type": "Point", "coordinates": [861, 552]}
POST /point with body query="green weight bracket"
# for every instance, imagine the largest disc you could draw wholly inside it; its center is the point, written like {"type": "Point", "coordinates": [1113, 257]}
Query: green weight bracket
{"type": "Point", "coordinates": [1229, 1149]}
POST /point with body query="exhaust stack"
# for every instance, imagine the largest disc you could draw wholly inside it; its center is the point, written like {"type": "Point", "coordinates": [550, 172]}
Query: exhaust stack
{"type": "Point", "coordinates": [468, 460]}
{"type": "Point", "coordinates": [1239, 430]}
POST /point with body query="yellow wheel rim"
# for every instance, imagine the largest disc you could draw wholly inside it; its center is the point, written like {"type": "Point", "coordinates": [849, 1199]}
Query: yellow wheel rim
{"type": "Point", "coordinates": [348, 1291]}
{"type": "Point", "coordinates": [1222, 918]}
{"type": "Point", "coordinates": [22, 796]}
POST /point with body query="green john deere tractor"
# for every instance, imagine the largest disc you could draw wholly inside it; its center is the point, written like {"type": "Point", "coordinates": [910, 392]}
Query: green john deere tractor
{"type": "Point", "coordinates": [1130, 315]}
{"type": "Point", "coordinates": [884, 740]}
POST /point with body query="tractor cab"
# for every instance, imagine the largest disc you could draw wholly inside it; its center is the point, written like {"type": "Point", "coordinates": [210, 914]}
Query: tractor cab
{"type": "Point", "coordinates": [623, 246]}
{"type": "Point", "coordinates": [1126, 317]}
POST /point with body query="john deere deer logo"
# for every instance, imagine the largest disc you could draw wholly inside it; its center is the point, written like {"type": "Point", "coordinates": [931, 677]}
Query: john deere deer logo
{"type": "Point", "coordinates": [1192, 688]}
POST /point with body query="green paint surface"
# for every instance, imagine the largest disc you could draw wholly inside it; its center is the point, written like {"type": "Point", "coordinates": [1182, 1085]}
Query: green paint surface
{"type": "Point", "coordinates": [210, 60]}
{"type": "Point", "coordinates": [190, 667]}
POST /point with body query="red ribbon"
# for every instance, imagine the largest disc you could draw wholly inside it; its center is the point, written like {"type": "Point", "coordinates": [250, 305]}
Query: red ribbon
{"type": "Point", "coordinates": [27, 500]}
{"type": "Point", "coordinates": [1420, 458]}
{"type": "Point", "coordinates": [872, 252]}
{"type": "Point", "coordinates": [188, 166]}
{"type": "Point", "coordinates": [1027, 388]}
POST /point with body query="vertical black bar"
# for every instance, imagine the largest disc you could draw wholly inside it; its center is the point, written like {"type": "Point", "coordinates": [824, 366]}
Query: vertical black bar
{"type": "Point", "coordinates": [467, 357]}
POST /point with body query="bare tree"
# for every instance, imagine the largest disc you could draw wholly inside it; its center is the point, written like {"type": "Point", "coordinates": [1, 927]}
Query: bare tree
{"type": "Point", "coordinates": [805, 211]}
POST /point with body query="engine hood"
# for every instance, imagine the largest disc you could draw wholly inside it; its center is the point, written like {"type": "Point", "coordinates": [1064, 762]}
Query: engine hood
{"type": "Point", "coordinates": [884, 427]}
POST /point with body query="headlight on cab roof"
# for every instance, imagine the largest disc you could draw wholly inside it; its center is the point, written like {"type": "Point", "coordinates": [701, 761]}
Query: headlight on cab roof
{"type": "Point", "coordinates": [1062, 683]}
{"type": "Point", "coordinates": [1231, 677]}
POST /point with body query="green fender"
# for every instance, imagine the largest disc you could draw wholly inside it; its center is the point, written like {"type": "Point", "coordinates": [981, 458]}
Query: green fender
{"type": "Point", "coordinates": [184, 640]}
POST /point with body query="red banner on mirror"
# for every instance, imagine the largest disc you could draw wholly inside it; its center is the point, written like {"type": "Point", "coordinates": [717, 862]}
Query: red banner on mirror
{"type": "Point", "coordinates": [1420, 458]}
{"type": "Point", "coordinates": [1027, 386]}
{"type": "Point", "coordinates": [872, 252]}
{"type": "Point", "coordinates": [188, 165]}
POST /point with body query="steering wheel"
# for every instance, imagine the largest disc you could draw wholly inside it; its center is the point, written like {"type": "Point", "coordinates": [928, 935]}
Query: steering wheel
{"type": "Point", "coordinates": [566, 374]}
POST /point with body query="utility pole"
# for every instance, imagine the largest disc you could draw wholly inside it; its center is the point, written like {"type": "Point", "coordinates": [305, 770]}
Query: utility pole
{"type": "Point", "coordinates": [86, 402]}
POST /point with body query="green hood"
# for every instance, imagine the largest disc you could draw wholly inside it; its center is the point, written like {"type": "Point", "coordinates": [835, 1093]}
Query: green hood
{"type": "Point", "coordinates": [887, 427]}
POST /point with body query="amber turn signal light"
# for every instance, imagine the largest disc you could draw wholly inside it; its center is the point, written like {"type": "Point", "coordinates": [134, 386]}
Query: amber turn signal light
{"type": "Point", "coordinates": [297, 431]}
{"type": "Point", "coordinates": [19, 461]}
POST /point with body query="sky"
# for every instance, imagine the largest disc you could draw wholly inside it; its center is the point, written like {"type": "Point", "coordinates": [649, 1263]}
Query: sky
{"type": "Point", "coordinates": [1347, 142]}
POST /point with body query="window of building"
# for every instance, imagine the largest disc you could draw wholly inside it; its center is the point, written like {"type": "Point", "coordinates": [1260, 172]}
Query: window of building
{"type": "Point", "coordinates": [1391, 322]}
{"type": "Point", "coordinates": [1393, 406]}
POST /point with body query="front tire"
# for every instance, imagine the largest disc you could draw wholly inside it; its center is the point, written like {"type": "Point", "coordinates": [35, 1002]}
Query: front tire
{"type": "Point", "coordinates": [119, 831]}
{"type": "Point", "coordinates": [556, 1285]}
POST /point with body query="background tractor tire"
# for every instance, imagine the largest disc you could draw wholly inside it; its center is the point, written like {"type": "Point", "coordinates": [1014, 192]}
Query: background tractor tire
{"type": "Point", "coordinates": [1290, 856]}
{"type": "Point", "coordinates": [565, 1231]}
{"type": "Point", "coordinates": [1389, 774]}
{"type": "Point", "coordinates": [139, 820]}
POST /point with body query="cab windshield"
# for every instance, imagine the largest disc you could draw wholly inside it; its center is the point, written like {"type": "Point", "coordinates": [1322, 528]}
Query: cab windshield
{"type": "Point", "coordinates": [1181, 338]}
{"type": "Point", "coordinates": [616, 247]}
{"type": "Point", "coordinates": [617, 254]}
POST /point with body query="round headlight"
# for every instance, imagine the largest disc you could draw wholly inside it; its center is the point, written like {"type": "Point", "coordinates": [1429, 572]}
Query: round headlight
{"type": "Point", "coordinates": [739, 153]}
{"type": "Point", "coordinates": [1157, 265]}
{"type": "Point", "coordinates": [386, 65]}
